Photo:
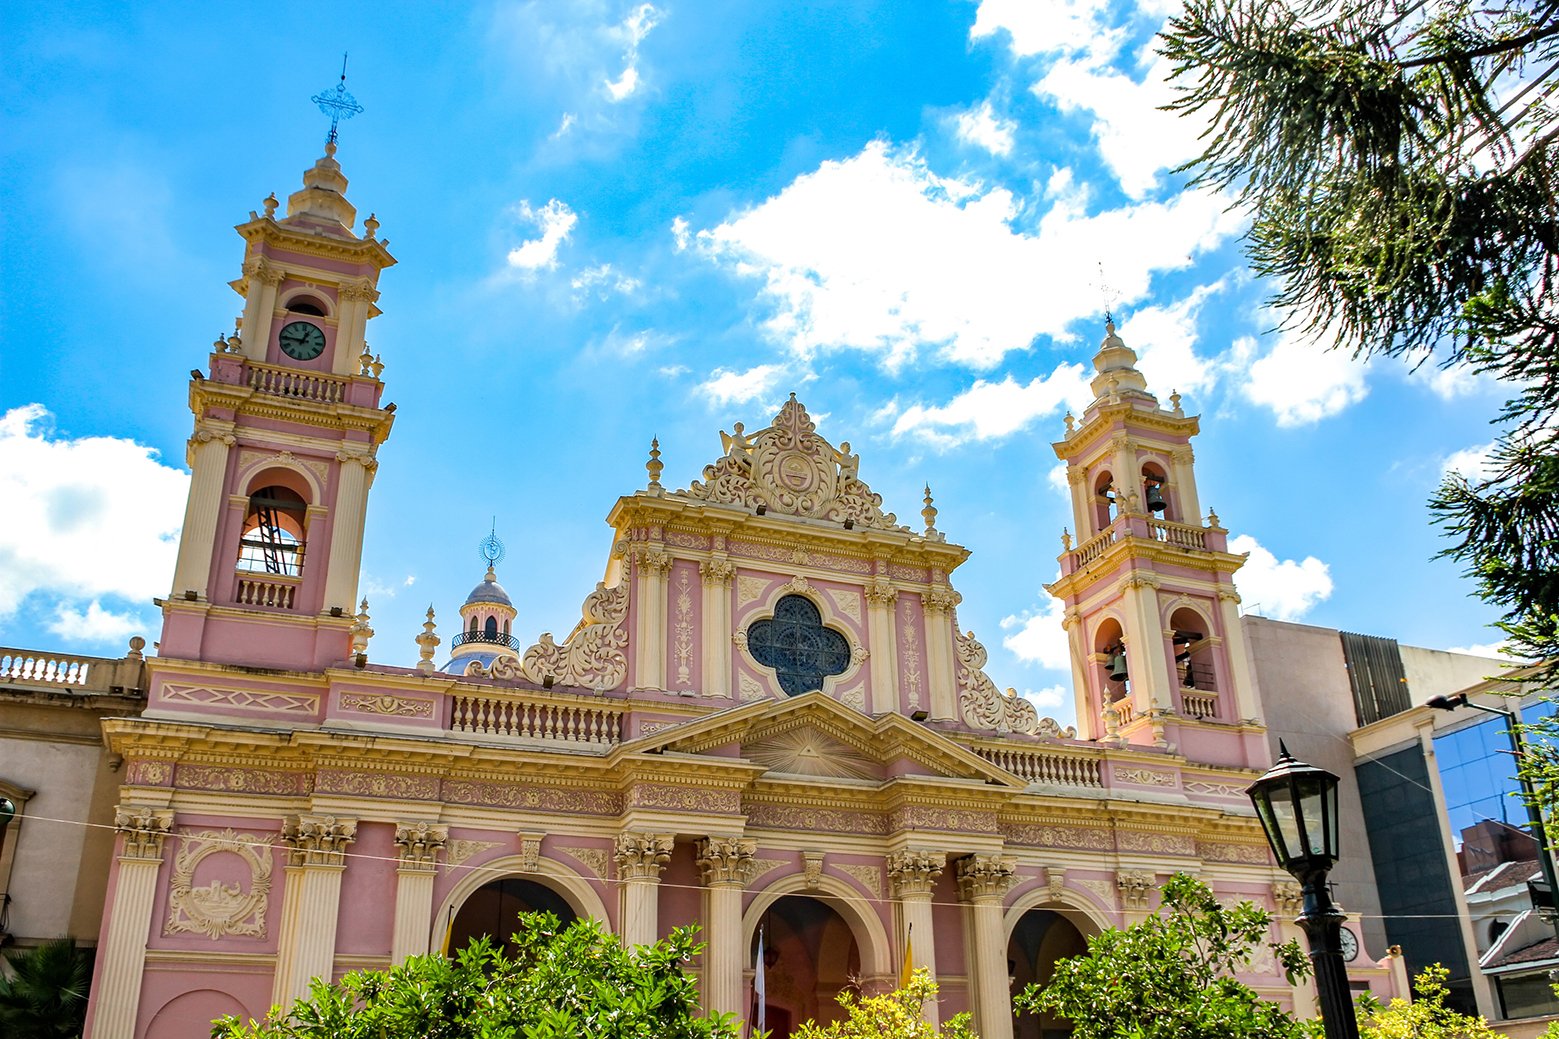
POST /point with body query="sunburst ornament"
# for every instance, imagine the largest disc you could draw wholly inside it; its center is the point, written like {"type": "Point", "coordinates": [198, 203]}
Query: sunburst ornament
{"type": "Point", "coordinates": [491, 548]}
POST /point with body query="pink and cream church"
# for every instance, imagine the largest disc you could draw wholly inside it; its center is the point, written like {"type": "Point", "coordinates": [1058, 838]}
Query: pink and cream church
{"type": "Point", "coordinates": [765, 718]}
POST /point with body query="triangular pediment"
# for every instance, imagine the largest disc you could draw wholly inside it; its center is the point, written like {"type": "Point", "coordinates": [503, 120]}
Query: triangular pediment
{"type": "Point", "coordinates": [814, 736]}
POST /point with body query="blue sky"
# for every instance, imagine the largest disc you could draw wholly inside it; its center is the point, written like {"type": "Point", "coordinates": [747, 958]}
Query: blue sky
{"type": "Point", "coordinates": [617, 221]}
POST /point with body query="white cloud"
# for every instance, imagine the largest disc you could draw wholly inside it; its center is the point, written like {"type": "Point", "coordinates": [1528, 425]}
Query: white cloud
{"type": "Point", "coordinates": [1038, 638]}
{"type": "Point", "coordinates": [632, 31]}
{"type": "Point", "coordinates": [555, 221]}
{"type": "Point", "coordinates": [680, 233]}
{"type": "Point", "coordinates": [1498, 650]}
{"type": "Point", "coordinates": [1164, 338]}
{"type": "Point", "coordinates": [672, 371]}
{"type": "Point", "coordinates": [1474, 463]}
{"type": "Point", "coordinates": [96, 625]}
{"type": "Point", "coordinates": [604, 279]}
{"type": "Point", "coordinates": [565, 126]}
{"type": "Point", "coordinates": [878, 253]}
{"type": "Point", "coordinates": [725, 386]}
{"type": "Point", "coordinates": [1049, 698]}
{"type": "Point", "coordinates": [981, 126]}
{"type": "Point", "coordinates": [1451, 382]}
{"type": "Point", "coordinates": [1302, 382]}
{"type": "Point", "coordinates": [988, 410]}
{"type": "Point", "coordinates": [84, 518]}
{"type": "Point", "coordinates": [1284, 590]}
{"type": "Point", "coordinates": [1056, 26]}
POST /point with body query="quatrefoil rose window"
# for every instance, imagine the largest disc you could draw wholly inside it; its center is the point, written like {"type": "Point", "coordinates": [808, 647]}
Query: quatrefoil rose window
{"type": "Point", "coordinates": [797, 645]}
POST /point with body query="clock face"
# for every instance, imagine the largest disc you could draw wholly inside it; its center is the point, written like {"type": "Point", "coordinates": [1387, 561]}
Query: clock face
{"type": "Point", "coordinates": [1350, 945]}
{"type": "Point", "coordinates": [302, 341]}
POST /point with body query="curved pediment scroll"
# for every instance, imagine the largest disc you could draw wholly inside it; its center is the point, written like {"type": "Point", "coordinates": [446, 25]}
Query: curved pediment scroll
{"type": "Point", "coordinates": [985, 707]}
{"type": "Point", "coordinates": [789, 469]}
{"type": "Point", "coordinates": [593, 657]}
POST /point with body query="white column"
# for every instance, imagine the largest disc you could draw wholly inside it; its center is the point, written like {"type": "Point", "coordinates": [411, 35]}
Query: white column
{"type": "Point", "coordinates": [938, 605]}
{"type": "Point", "coordinates": [983, 882]}
{"type": "Point", "coordinates": [1089, 726]}
{"type": "Point", "coordinates": [197, 543]}
{"type": "Point", "coordinates": [352, 303]}
{"type": "Point", "coordinates": [716, 627]}
{"type": "Point", "coordinates": [726, 863]}
{"type": "Point", "coordinates": [122, 960]}
{"type": "Point", "coordinates": [1239, 663]}
{"type": "Point", "coordinates": [641, 857]}
{"type": "Point", "coordinates": [311, 902]}
{"type": "Point", "coordinates": [913, 875]}
{"type": "Point", "coordinates": [649, 573]}
{"type": "Point", "coordinates": [346, 536]}
{"type": "Point", "coordinates": [1146, 653]}
{"type": "Point", "coordinates": [259, 307]}
{"type": "Point", "coordinates": [1184, 476]}
{"type": "Point", "coordinates": [880, 597]}
{"type": "Point", "coordinates": [419, 844]}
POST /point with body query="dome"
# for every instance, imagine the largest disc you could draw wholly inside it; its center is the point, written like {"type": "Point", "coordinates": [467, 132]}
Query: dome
{"type": "Point", "coordinates": [489, 591]}
{"type": "Point", "coordinates": [485, 657]}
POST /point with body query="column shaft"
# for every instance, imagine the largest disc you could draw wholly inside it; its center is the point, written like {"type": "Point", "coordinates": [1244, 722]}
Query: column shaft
{"type": "Point", "coordinates": [724, 956]}
{"type": "Point", "coordinates": [716, 633]}
{"type": "Point", "coordinates": [884, 649]}
{"type": "Point", "coordinates": [197, 543]}
{"type": "Point", "coordinates": [123, 959]}
{"type": "Point", "coordinates": [940, 678]}
{"type": "Point", "coordinates": [346, 536]}
{"type": "Point", "coordinates": [992, 997]}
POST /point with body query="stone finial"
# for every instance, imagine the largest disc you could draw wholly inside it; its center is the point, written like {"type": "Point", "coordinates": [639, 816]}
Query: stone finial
{"type": "Point", "coordinates": [370, 227]}
{"type": "Point", "coordinates": [427, 642]}
{"type": "Point", "coordinates": [1066, 540]}
{"type": "Point", "coordinates": [136, 645]}
{"type": "Point", "coordinates": [377, 365]}
{"type": "Point", "coordinates": [929, 513]}
{"type": "Point", "coordinates": [361, 631]}
{"type": "Point", "coordinates": [1174, 402]}
{"type": "Point", "coordinates": [365, 361]}
{"type": "Point", "coordinates": [654, 466]}
{"type": "Point", "coordinates": [1071, 422]}
{"type": "Point", "coordinates": [1212, 519]}
{"type": "Point", "coordinates": [270, 206]}
{"type": "Point", "coordinates": [219, 345]}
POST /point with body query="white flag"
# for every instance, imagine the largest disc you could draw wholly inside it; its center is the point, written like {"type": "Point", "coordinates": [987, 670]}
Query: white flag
{"type": "Point", "coordinates": [760, 992]}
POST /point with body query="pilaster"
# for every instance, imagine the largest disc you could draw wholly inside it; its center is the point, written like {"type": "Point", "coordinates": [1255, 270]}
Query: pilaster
{"type": "Point", "coordinates": [726, 864]}
{"type": "Point", "coordinates": [937, 607]}
{"type": "Point", "coordinates": [121, 962]}
{"type": "Point", "coordinates": [717, 573]}
{"type": "Point", "coordinates": [650, 568]}
{"type": "Point", "coordinates": [983, 882]}
{"type": "Point", "coordinates": [880, 599]}
{"type": "Point", "coordinates": [306, 944]}
{"type": "Point", "coordinates": [264, 278]}
{"type": "Point", "coordinates": [641, 858]}
{"type": "Point", "coordinates": [346, 536]}
{"type": "Point", "coordinates": [418, 845]}
{"type": "Point", "coordinates": [208, 453]}
{"type": "Point", "coordinates": [1245, 705]}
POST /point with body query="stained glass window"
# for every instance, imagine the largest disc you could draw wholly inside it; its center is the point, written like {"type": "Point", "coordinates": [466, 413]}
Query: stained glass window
{"type": "Point", "coordinates": [797, 646]}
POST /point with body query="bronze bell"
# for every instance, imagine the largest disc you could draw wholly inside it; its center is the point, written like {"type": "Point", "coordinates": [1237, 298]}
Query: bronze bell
{"type": "Point", "coordinates": [1155, 499]}
{"type": "Point", "coordinates": [1117, 667]}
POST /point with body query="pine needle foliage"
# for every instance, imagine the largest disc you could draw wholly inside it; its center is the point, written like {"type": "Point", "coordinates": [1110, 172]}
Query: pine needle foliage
{"type": "Point", "coordinates": [1397, 157]}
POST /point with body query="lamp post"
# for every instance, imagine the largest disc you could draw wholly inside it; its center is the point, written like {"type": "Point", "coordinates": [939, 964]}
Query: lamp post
{"type": "Point", "coordinates": [1297, 805]}
{"type": "Point", "coordinates": [1545, 851]}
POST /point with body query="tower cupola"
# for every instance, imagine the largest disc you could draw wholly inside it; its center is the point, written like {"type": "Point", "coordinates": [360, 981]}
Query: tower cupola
{"type": "Point", "coordinates": [486, 619]}
{"type": "Point", "coordinates": [1117, 378]}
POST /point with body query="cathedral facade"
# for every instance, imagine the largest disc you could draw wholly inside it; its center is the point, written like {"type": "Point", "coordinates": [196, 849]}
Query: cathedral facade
{"type": "Point", "coordinates": [766, 719]}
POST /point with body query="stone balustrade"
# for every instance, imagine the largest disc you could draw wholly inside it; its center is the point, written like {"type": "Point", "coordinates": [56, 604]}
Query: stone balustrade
{"type": "Point", "coordinates": [27, 669]}
{"type": "Point", "coordinates": [1052, 766]}
{"type": "Point", "coordinates": [536, 715]}
{"type": "Point", "coordinates": [1182, 535]}
{"type": "Point", "coordinates": [277, 591]}
{"type": "Point", "coordinates": [1200, 706]}
{"type": "Point", "coordinates": [300, 385]}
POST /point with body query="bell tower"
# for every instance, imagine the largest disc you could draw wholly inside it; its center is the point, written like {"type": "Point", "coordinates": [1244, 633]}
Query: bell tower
{"type": "Point", "coordinates": [1158, 658]}
{"type": "Point", "coordinates": [287, 428]}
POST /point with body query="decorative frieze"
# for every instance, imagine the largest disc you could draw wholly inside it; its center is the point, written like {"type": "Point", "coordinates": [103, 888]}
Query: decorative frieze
{"type": "Point", "coordinates": [219, 909]}
{"type": "Point", "coordinates": [376, 784]}
{"type": "Point", "coordinates": [244, 780]}
{"type": "Point", "coordinates": [317, 840]}
{"type": "Point", "coordinates": [1090, 838]}
{"type": "Point", "coordinates": [684, 798]}
{"type": "Point", "coordinates": [386, 705]}
{"type": "Point", "coordinates": [985, 877]}
{"type": "Point", "coordinates": [1156, 843]}
{"type": "Point", "coordinates": [643, 856]}
{"type": "Point", "coordinates": [540, 798]}
{"type": "Point", "coordinates": [929, 817]}
{"type": "Point", "coordinates": [914, 873]}
{"type": "Point", "coordinates": [1145, 777]}
{"type": "Point", "coordinates": [143, 829]}
{"type": "Point", "coordinates": [726, 860]}
{"type": "Point", "coordinates": [805, 818]}
{"type": "Point", "coordinates": [1249, 854]}
{"type": "Point", "coordinates": [242, 699]}
{"type": "Point", "coordinates": [419, 843]}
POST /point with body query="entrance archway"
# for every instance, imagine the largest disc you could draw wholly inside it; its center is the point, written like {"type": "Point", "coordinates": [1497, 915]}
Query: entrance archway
{"type": "Point", "coordinates": [1040, 938]}
{"type": "Point", "coordinates": [492, 908]}
{"type": "Point", "coordinates": [809, 956]}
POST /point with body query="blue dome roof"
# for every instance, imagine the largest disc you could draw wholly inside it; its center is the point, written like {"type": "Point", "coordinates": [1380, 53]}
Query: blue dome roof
{"type": "Point", "coordinates": [489, 591]}
{"type": "Point", "coordinates": [458, 665]}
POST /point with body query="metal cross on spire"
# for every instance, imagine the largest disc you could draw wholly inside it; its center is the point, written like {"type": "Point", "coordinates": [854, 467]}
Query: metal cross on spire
{"type": "Point", "coordinates": [491, 547]}
{"type": "Point", "coordinates": [1110, 296]}
{"type": "Point", "coordinates": [337, 103]}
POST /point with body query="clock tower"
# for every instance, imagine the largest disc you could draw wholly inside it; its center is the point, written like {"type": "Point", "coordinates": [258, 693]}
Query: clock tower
{"type": "Point", "coordinates": [287, 429]}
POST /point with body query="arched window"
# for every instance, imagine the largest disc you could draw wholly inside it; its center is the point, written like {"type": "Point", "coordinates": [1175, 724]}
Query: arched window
{"type": "Point", "coordinates": [473, 625]}
{"type": "Point", "coordinates": [1154, 499]}
{"type": "Point", "coordinates": [306, 305]}
{"type": "Point", "coordinates": [1103, 501]}
{"type": "Point", "coordinates": [273, 537]}
{"type": "Point", "coordinates": [490, 629]}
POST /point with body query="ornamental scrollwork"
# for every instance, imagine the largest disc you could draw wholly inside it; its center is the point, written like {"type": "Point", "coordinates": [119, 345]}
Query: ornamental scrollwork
{"type": "Point", "coordinates": [218, 908]}
{"type": "Point", "coordinates": [790, 469]}
{"type": "Point", "coordinates": [593, 657]}
{"type": "Point", "coordinates": [983, 706]}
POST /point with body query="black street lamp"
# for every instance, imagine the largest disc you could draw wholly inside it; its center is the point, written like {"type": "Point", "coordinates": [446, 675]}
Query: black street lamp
{"type": "Point", "coordinates": [1545, 851]}
{"type": "Point", "coordinates": [1297, 805]}
{"type": "Point", "coordinates": [7, 813]}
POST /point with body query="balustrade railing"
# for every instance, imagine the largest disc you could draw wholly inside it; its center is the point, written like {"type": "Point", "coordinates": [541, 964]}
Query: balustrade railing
{"type": "Point", "coordinates": [483, 638]}
{"type": "Point", "coordinates": [51, 669]}
{"type": "Point", "coordinates": [66, 672]}
{"type": "Point", "coordinates": [276, 591]}
{"type": "Point", "coordinates": [289, 382]}
{"type": "Point", "coordinates": [1094, 547]}
{"type": "Point", "coordinates": [1183, 535]}
{"type": "Point", "coordinates": [1198, 705]}
{"type": "Point", "coordinates": [530, 716]}
{"type": "Point", "coordinates": [1048, 766]}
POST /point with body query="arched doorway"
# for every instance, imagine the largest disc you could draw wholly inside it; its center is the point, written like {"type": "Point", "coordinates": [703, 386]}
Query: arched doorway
{"type": "Point", "coordinates": [492, 908]}
{"type": "Point", "coordinates": [809, 957]}
{"type": "Point", "coordinates": [1041, 937]}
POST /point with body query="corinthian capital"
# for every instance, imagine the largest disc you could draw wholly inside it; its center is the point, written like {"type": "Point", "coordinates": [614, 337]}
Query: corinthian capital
{"type": "Point", "coordinates": [317, 840]}
{"type": "Point", "coordinates": [419, 844]}
{"type": "Point", "coordinates": [726, 860]}
{"type": "Point", "coordinates": [985, 877]}
{"type": "Point", "coordinates": [643, 856]}
{"type": "Point", "coordinates": [144, 829]}
{"type": "Point", "coordinates": [717, 571]}
{"type": "Point", "coordinates": [915, 872]}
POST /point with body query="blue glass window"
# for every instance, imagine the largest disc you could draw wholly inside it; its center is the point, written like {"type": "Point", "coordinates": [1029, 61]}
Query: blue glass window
{"type": "Point", "coordinates": [797, 646]}
{"type": "Point", "coordinates": [1478, 773]}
